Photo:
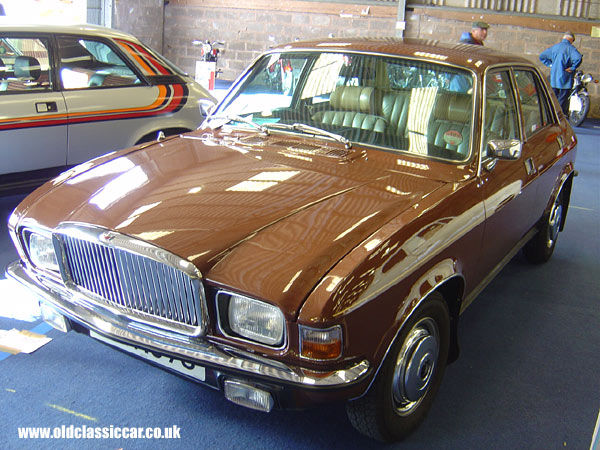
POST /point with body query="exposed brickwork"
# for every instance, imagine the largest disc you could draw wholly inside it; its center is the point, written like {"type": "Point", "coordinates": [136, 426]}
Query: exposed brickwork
{"type": "Point", "coordinates": [518, 40]}
{"type": "Point", "coordinates": [143, 18]}
{"type": "Point", "coordinates": [249, 28]}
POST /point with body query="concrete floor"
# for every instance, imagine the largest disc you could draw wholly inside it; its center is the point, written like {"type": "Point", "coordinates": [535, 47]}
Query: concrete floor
{"type": "Point", "coordinates": [527, 376]}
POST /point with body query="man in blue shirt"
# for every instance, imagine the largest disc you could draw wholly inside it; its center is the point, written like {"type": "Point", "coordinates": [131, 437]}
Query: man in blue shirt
{"type": "Point", "coordinates": [477, 35]}
{"type": "Point", "coordinates": [563, 59]}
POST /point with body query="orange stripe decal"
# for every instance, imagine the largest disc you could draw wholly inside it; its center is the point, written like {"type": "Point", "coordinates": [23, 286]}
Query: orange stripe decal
{"type": "Point", "coordinates": [127, 47]}
{"type": "Point", "coordinates": [162, 91]}
{"type": "Point", "coordinates": [170, 98]}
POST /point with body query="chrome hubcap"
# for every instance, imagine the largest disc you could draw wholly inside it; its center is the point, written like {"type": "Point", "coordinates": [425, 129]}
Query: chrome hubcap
{"type": "Point", "coordinates": [554, 222]}
{"type": "Point", "coordinates": [415, 366]}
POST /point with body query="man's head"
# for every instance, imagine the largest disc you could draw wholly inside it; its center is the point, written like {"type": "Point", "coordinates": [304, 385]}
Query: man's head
{"type": "Point", "coordinates": [479, 30]}
{"type": "Point", "coordinates": [569, 36]}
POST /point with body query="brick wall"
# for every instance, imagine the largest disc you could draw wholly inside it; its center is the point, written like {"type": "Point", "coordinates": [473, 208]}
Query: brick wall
{"type": "Point", "coordinates": [249, 32]}
{"type": "Point", "coordinates": [251, 27]}
{"type": "Point", "coordinates": [142, 18]}
{"type": "Point", "coordinates": [521, 37]}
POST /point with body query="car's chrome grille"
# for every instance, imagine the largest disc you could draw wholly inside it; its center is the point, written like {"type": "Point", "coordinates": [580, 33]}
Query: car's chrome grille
{"type": "Point", "coordinates": [139, 286]}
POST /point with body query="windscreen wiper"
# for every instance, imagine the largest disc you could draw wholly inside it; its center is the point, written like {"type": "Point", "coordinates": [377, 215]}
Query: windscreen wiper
{"type": "Point", "coordinates": [238, 118]}
{"type": "Point", "coordinates": [314, 131]}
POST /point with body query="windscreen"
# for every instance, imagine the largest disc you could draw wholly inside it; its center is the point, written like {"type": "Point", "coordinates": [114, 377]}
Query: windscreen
{"type": "Point", "coordinates": [399, 104]}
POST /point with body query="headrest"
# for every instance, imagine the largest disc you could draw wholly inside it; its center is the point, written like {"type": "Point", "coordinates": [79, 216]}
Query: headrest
{"type": "Point", "coordinates": [460, 109]}
{"type": "Point", "coordinates": [27, 67]}
{"type": "Point", "coordinates": [452, 107]}
{"type": "Point", "coordinates": [353, 98]}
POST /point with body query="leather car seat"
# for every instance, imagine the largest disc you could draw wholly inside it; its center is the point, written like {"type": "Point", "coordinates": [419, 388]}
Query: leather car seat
{"type": "Point", "coordinates": [352, 107]}
{"type": "Point", "coordinates": [451, 124]}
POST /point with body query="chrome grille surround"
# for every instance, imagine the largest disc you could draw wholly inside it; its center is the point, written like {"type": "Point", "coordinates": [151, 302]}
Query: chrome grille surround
{"type": "Point", "coordinates": [130, 277]}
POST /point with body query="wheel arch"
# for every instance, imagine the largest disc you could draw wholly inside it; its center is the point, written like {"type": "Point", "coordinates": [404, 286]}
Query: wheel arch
{"type": "Point", "coordinates": [451, 288]}
{"type": "Point", "coordinates": [565, 190]}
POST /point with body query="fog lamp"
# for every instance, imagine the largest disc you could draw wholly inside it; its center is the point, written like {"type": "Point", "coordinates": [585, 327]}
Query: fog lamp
{"type": "Point", "coordinates": [54, 318]}
{"type": "Point", "coordinates": [249, 396]}
{"type": "Point", "coordinates": [320, 344]}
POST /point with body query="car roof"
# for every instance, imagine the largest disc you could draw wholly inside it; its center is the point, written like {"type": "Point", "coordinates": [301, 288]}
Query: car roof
{"type": "Point", "coordinates": [81, 29]}
{"type": "Point", "coordinates": [474, 57]}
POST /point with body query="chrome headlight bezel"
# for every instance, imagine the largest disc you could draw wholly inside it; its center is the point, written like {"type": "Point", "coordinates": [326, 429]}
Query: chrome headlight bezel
{"type": "Point", "coordinates": [40, 249]}
{"type": "Point", "coordinates": [230, 326]}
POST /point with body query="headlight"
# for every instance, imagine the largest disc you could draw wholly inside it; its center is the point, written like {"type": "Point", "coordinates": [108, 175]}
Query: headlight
{"type": "Point", "coordinates": [587, 78]}
{"type": "Point", "coordinates": [252, 319]}
{"type": "Point", "coordinates": [41, 252]}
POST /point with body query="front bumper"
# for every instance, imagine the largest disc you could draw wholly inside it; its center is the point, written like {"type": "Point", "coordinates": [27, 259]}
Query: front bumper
{"type": "Point", "coordinates": [194, 358]}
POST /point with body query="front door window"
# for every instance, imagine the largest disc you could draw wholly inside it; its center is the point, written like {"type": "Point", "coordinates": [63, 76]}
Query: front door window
{"type": "Point", "coordinates": [501, 119]}
{"type": "Point", "coordinates": [24, 65]}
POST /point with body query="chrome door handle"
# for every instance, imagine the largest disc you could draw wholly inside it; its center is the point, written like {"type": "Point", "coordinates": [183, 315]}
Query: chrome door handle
{"type": "Point", "coordinates": [530, 166]}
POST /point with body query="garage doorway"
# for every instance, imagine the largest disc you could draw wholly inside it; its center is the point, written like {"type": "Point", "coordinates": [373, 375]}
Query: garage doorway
{"type": "Point", "coordinates": [97, 12]}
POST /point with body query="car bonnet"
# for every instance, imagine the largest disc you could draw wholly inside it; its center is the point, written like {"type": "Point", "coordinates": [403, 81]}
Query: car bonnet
{"type": "Point", "coordinates": [267, 216]}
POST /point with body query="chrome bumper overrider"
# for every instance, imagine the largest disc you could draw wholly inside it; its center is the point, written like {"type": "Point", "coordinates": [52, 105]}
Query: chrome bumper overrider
{"type": "Point", "coordinates": [77, 307]}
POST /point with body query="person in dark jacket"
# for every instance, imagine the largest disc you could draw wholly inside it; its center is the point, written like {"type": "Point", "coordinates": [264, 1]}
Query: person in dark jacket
{"type": "Point", "coordinates": [477, 35]}
{"type": "Point", "coordinates": [563, 59]}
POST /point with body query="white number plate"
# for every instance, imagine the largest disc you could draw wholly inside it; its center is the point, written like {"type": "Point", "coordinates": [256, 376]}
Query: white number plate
{"type": "Point", "coordinates": [184, 367]}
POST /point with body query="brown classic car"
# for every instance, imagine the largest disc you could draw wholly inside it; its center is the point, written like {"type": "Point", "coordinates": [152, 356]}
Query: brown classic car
{"type": "Point", "coordinates": [318, 237]}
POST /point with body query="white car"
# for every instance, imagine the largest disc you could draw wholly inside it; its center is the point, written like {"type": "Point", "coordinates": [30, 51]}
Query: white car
{"type": "Point", "coordinates": [72, 93]}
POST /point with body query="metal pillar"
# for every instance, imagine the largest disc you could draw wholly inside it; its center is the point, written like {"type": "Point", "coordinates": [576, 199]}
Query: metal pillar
{"type": "Point", "coordinates": [401, 19]}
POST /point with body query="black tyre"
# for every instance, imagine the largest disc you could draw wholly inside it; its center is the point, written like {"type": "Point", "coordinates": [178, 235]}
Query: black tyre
{"type": "Point", "coordinates": [540, 248]}
{"type": "Point", "coordinates": [406, 384]}
{"type": "Point", "coordinates": [576, 118]}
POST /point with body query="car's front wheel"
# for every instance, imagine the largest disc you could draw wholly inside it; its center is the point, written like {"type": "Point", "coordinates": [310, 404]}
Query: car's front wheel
{"type": "Point", "coordinates": [405, 387]}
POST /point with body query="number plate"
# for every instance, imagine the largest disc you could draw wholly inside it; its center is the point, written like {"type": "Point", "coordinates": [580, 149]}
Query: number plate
{"type": "Point", "coordinates": [183, 367]}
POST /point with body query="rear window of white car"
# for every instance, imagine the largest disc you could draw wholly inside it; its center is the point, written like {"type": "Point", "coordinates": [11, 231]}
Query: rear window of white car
{"type": "Point", "coordinates": [87, 63]}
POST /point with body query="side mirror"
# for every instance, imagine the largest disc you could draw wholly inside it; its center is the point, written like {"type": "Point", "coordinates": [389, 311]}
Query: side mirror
{"type": "Point", "coordinates": [505, 149]}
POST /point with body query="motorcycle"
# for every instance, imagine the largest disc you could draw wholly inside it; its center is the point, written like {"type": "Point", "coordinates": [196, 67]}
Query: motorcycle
{"type": "Point", "coordinates": [206, 67]}
{"type": "Point", "coordinates": [579, 99]}
{"type": "Point", "coordinates": [208, 51]}
{"type": "Point", "coordinates": [280, 76]}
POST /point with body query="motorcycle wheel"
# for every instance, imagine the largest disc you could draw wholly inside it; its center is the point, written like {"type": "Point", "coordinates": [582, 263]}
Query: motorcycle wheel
{"type": "Point", "coordinates": [576, 118]}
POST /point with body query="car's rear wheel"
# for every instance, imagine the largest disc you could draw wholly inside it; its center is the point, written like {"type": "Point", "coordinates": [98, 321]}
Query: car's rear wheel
{"type": "Point", "coordinates": [405, 387]}
{"type": "Point", "coordinates": [540, 248]}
